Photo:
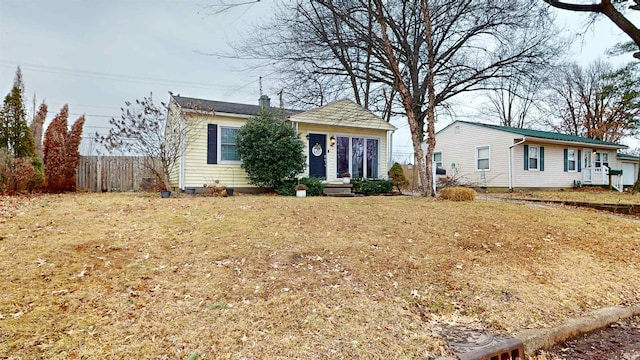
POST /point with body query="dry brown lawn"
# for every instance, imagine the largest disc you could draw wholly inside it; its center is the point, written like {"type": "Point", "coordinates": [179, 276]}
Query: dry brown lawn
{"type": "Point", "coordinates": [586, 194]}
{"type": "Point", "coordinates": [134, 276]}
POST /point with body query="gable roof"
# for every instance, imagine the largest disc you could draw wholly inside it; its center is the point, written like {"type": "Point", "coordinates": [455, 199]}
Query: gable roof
{"type": "Point", "coordinates": [544, 135]}
{"type": "Point", "coordinates": [222, 106]}
{"type": "Point", "coordinates": [343, 113]}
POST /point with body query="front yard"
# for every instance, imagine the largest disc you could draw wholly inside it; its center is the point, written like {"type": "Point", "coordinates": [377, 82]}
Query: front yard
{"type": "Point", "coordinates": [136, 276]}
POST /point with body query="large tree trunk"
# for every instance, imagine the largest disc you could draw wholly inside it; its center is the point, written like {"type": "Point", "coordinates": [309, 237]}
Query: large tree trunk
{"type": "Point", "coordinates": [431, 96]}
{"type": "Point", "coordinates": [636, 185]}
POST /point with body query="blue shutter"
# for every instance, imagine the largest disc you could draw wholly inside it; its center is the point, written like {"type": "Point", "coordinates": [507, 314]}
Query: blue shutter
{"type": "Point", "coordinates": [579, 160]}
{"type": "Point", "coordinates": [541, 160]}
{"type": "Point", "coordinates": [526, 157]}
{"type": "Point", "coordinates": [212, 144]}
{"type": "Point", "coordinates": [566, 160]}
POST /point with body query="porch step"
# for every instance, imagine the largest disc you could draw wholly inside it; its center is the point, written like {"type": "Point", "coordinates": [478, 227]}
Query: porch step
{"type": "Point", "coordinates": [343, 190]}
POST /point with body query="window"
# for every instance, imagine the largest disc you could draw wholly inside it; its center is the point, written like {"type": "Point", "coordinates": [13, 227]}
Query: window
{"type": "Point", "coordinates": [483, 158]}
{"type": "Point", "coordinates": [572, 159]}
{"type": "Point", "coordinates": [437, 159]}
{"type": "Point", "coordinates": [605, 159]}
{"type": "Point", "coordinates": [221, 144]}
{"type": "Point", "coordinates": [533, 158]}
{"type": "Point", "coordinates": [358, 156]}
{"type": "Point", "coordinates": [228, 150]}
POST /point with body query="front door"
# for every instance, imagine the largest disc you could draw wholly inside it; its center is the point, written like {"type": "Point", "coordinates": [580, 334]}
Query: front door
{"type": "Point", "coordinates": [587, 165]}
{"type": "Point", "coordinates": [318, 155]}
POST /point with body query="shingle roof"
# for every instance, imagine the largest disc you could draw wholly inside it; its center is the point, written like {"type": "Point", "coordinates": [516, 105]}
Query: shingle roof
{"type": "Point", "coordinates": [222, 106]}
{"type": "Point", "coordinates": [343, 113]}
{"type": "Point", "coordinates": [539, 134]}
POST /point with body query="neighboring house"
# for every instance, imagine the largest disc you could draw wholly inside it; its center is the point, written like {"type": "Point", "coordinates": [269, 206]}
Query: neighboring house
{"type": "Point", "coordinates": [339, 137]}
{"type": "Point", "coordinates": [629, 164]}
{"type": "Point", "coordinates": [505, 157]}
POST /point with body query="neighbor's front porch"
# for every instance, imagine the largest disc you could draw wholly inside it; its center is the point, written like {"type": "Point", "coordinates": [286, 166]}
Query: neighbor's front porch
{"type": "Point", "coordinates": [601, 175]}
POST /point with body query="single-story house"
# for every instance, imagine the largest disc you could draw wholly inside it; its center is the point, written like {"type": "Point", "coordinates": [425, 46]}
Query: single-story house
{"type": "Point", "coordinates": [494, 156]}
{"type": "Point", "coordinates": [340, 137]}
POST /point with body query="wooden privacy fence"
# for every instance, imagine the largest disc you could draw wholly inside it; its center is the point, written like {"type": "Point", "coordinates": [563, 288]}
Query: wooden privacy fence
{"type": "Point", "coordinates": [112, 173]}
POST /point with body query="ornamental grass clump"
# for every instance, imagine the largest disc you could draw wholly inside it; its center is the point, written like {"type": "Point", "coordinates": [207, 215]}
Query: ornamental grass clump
{"type": "Point", "coordinates": [457, 194]}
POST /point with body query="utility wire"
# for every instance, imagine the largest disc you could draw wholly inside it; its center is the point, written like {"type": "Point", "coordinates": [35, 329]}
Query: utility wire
{"type": "Point", "coordinates": [108, 76]}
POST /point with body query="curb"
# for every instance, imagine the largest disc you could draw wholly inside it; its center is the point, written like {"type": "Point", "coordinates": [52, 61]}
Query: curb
{"type": "Point", "coordinates": [536, 339]}
{"type": "Point", "coordinates": [542, 339]}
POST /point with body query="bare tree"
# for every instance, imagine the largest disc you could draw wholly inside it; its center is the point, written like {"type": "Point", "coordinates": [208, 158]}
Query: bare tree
{"type": "Point", "coordinates": [144, 130]}
{"type": "Point", "coordinates": [420, 53]}
{"type": "Point", "coordinates": [222, 6]}
{"type": "Point", "coordinates": [598, 102]}
{"type": "Point", "coordinates": [607, 8]}
{"type": "Point", "coordinates": [432, 51]}
{"type": "Point", "coordinates": [514, 99]}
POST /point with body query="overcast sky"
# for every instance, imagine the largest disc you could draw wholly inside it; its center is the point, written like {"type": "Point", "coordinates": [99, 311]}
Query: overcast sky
{"type": "Point", "coordinates": [95, 54]}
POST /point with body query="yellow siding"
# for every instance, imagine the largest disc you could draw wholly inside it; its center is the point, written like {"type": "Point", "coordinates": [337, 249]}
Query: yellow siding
{"type": "Point", "coordinates": [305, 129]}
{"type": "Point", "coordinates": [197, 172]}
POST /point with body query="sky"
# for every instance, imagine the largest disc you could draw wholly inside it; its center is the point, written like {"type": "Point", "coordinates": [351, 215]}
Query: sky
{"type": "Point", "coordinates": [94, 55]}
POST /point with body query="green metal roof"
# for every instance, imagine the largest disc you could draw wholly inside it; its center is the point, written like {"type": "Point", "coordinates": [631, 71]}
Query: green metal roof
{"type": "Point", "coordinates": [627, 156]}
{"type": "Point", "coordinates": [539, 134]}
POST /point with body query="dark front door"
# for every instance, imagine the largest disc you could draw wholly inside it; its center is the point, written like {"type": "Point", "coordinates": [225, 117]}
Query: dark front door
{"type": "Point", "coordinates": [318, 155]}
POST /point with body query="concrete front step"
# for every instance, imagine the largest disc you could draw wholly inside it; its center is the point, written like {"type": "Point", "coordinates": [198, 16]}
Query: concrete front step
{"type": "Point", "coordinates": [338, 189]}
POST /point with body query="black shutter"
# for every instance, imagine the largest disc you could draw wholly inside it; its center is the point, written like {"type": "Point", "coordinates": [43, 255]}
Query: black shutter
{"type": "Point", "coordinates": [579, 160]}
{"type": "Point", "coordinates": [541, 158]}
{"type": "Point", "coordinates": [566, 160]}
{"type": "Point", "coordinates": [526, 157]}
{"type": "Point", "coordinates": [212, 144]}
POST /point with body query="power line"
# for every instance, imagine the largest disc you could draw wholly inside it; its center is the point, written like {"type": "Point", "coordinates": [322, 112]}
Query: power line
{"type": "Point", "coordinates": [109, 76]}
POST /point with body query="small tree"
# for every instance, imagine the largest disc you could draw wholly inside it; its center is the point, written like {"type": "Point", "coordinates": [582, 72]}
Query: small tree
{"type": "Point", "coordinates": [143, 129]}
{"type": "Point", "coordinates": [21, 169]}
{"type": "Point", "coordinates": [397, 175]}
{"type": "Point", "coordinates": [270, 149]}
{"type": "Point", "coordinates": [36, 128]}
{"type": "Point", "coordinates": [61, 152]}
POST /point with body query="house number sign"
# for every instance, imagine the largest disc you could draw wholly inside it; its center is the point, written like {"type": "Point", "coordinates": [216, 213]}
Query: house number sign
{"type": "Point", "coordinates": [316, 150]}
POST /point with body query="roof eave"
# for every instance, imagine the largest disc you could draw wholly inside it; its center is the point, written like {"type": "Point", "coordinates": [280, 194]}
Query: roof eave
{"type": "Point", "coordinates": [386, 127]}
{"type": "Point", "coordinates": [575, 143]}
{"type": "Point", "coordinates": [217, 113]}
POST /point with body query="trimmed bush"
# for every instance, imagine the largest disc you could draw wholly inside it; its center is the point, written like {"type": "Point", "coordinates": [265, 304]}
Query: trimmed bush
{"type": "Point", "coordinates": [457, 194]}
{"type": "Point", "coordinates": [371, 186]}
{"type": "Point", "coordinates": [397, 176]}
{"type": "Point", "coordinates": [271, 151]}
{"type": "Point", "coordinates": [288, 187]}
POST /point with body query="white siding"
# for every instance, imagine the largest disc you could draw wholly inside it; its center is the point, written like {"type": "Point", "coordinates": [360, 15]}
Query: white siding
{"type": "Point", "coordinates": [629, 172]}
{"type": "Point", "coordinates": [458, 144]}
{"type": "Point", "coordinates": [459, 141]}
{"type": "Point", "coordinates": [553, 175]}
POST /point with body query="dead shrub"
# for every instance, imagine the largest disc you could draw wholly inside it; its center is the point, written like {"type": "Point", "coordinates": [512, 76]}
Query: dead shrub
{"type": "Point", "coordinates": [215, 189]}
{"type": "Point", "coordinates": [457, 194]}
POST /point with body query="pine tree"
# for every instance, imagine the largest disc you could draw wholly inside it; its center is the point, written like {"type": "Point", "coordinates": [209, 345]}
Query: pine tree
{"type": "Point", "coordinates": [14, 132]}
{"type": "Point", "coordinates": [22, 169]}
